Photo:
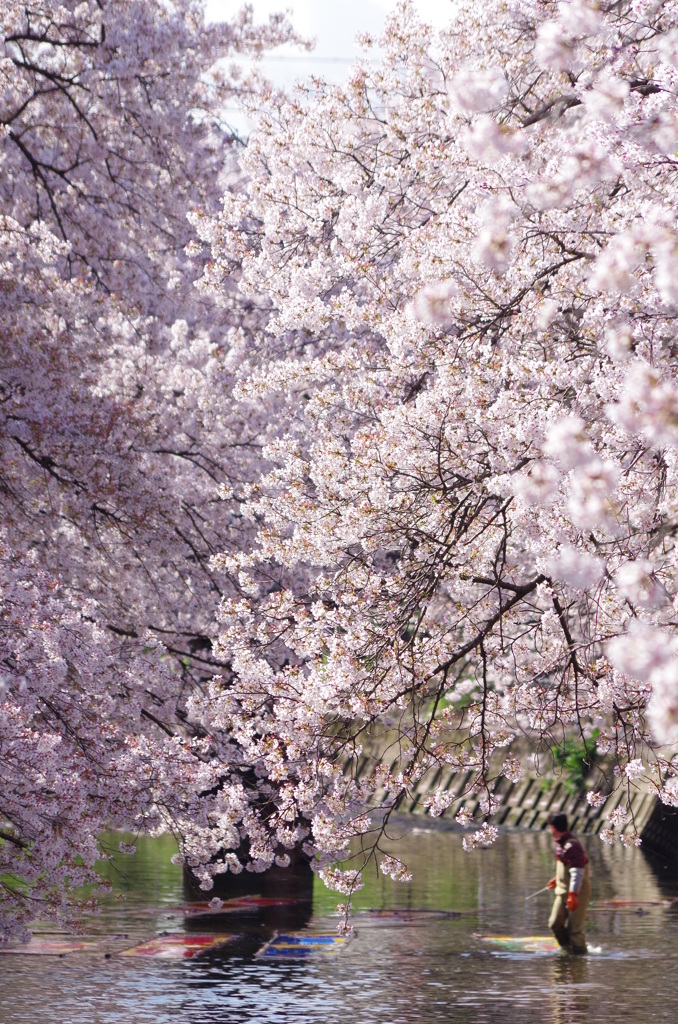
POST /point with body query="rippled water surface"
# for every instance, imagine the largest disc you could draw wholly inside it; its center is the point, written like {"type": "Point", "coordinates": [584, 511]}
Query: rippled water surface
{"type": "Point", "coordinates": [417, 966]}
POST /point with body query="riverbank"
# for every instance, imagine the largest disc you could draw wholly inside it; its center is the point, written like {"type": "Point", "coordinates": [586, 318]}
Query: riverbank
{"type": "Point", "coordinates": [528, 803]}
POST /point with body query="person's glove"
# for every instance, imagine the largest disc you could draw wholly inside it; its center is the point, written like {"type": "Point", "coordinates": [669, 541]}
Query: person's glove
{"type": "Point", "coordinates": [572, 901]}
{"type": "Point", "coordinates": [551, 884]}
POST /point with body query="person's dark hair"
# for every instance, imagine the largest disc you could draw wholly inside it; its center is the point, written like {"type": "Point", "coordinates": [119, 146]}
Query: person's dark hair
{"type": "Point", "coordinates": [558, 820]}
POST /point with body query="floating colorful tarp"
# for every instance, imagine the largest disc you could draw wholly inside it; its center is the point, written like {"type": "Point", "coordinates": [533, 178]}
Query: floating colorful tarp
{"type": "Point", "coordinates": [39, 946]}
{"type": "Point", "coordinates": [178, 946]}
{"type": "Point", "coordinates": [300, 944]}
{"type": "Point", "coordinates": [635, 905]}
{"type": "Point", "coordinates": [237, 905]}
{"type": "Point", "coordinates": [522, 943]}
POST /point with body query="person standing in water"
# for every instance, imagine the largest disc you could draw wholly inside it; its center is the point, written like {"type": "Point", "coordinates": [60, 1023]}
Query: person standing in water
{"type": "Point", "coordinates": [572, 887]}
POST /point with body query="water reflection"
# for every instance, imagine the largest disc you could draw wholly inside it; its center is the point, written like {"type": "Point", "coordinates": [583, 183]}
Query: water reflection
{"type": "Point", "coordinates": [570, 988]}
{"type": "Point", "coordinates": [408, 962]}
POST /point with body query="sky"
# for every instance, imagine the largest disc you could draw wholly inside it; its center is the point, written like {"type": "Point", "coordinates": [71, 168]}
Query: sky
{"type": "Point", "coordinates": [334, 25]}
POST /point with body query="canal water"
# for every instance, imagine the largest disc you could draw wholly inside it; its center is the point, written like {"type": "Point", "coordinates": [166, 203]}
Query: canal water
{"type": "Point", "coordinates": [419, 952]}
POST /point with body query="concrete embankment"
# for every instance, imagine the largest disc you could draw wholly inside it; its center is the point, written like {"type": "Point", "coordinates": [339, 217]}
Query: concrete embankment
{"type": "Point", "coordinates": [528, 803]}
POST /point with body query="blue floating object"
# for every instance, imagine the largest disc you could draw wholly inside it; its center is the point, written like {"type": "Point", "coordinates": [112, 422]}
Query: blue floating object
{"type": "Point", "coordinates": [300, 945]}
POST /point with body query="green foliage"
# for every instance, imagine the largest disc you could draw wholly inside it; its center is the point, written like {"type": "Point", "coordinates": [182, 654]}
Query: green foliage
{"type": "Point", "coordinates": [573, 759]}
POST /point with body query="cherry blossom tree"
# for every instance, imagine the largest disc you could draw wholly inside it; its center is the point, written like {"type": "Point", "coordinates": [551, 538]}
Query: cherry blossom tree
{"type": "Point", "coordinates": [116, 429]}
{"type": "Point", "coordinates": [429, 370]}
{"type": "Point", "coordinates": [465, 532]}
